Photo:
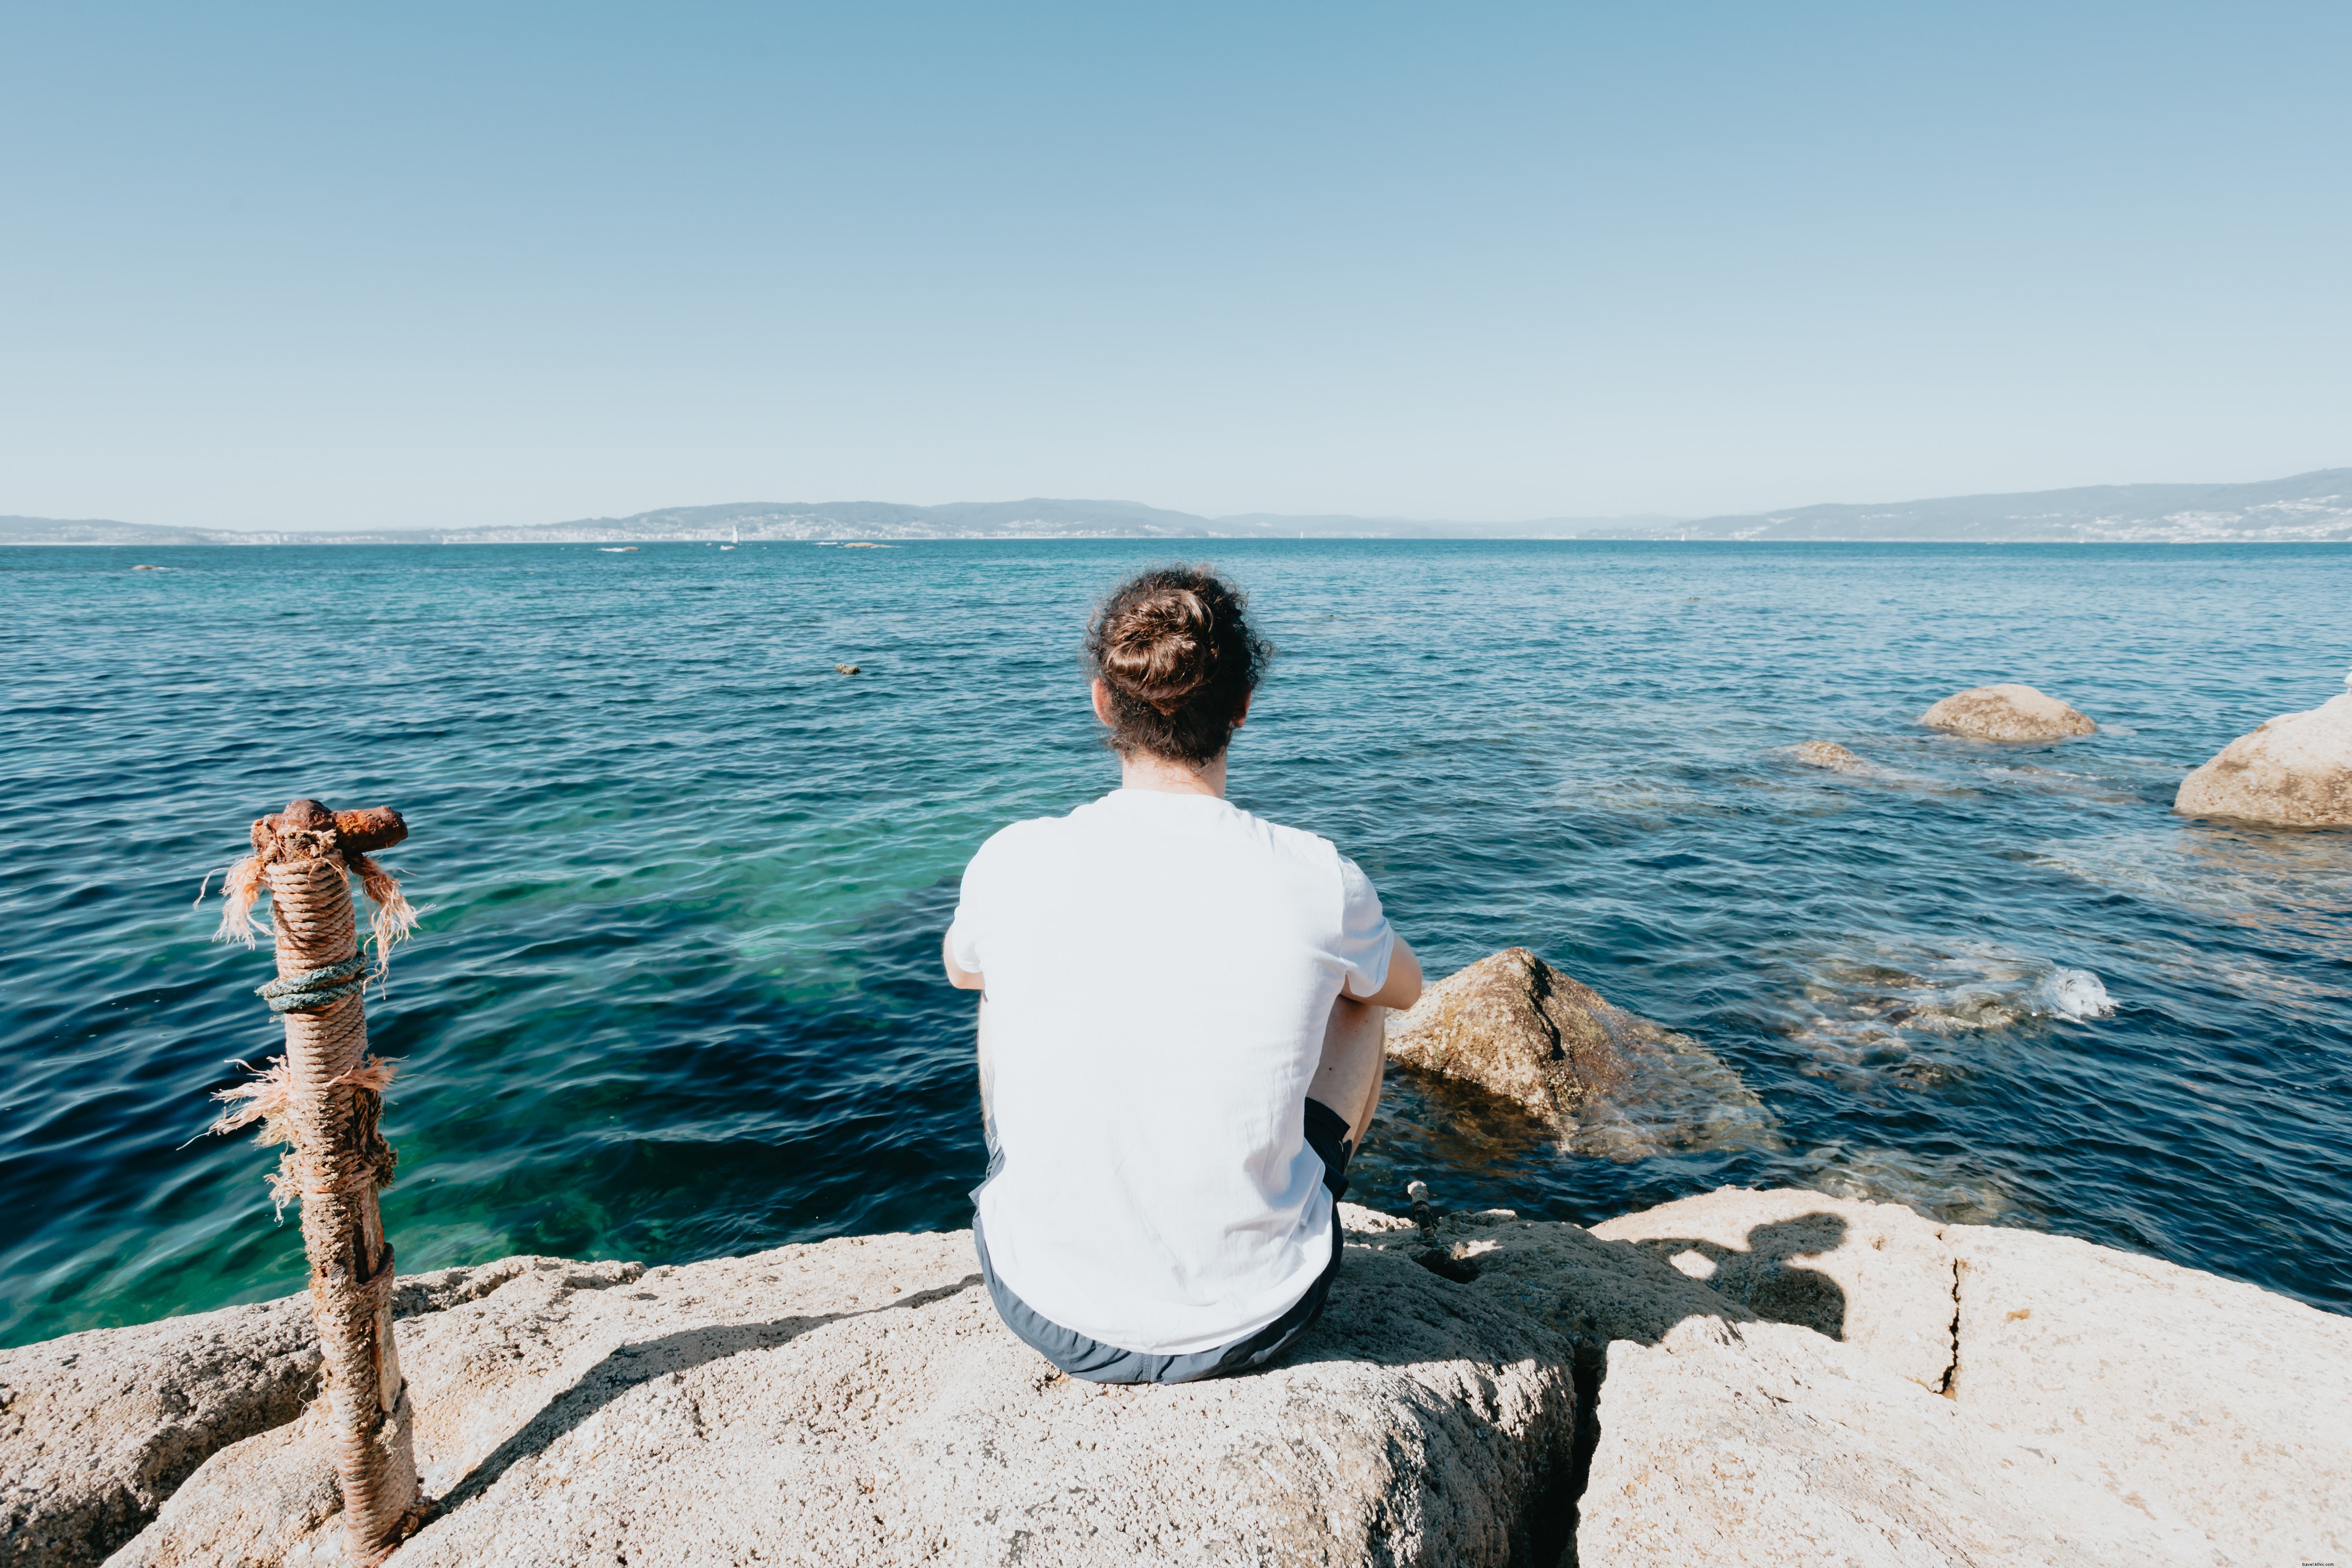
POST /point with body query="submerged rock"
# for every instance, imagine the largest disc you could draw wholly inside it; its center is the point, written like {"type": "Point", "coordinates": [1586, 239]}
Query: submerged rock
{"type": "Point", "coordinates": [1606, 1081]}
{"type": "Point", "coordinates": [2294, 772]}
{"type": "Point", "coordinates": [2006, 712]}
{"type": "Point", "coordinates": [1876, 1276]}
{"type": "Point", "coordinates": [1827, 754]}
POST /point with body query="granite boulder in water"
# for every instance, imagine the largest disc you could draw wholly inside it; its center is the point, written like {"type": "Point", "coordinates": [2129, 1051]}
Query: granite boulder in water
{"type": "Point", "coordinates": [2293, 771]}
{"type": "Point", "coordinates": [1828, 754]}
{"type": "Point", "coordinates": [1608, 1082]}
{"type": "Point", "coordinates": [2006, 712]}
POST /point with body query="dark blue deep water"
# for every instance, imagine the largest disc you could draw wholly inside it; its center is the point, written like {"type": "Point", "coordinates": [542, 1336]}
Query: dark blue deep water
{"type": "Point", "coordinates": [677, 991]}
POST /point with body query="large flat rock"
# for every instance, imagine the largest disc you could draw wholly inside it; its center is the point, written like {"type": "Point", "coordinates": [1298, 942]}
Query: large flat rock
{"type": "Point", "coordinates": [857, 1402]}
{"type": "Point", "coordinates": [2226, 1403]}
{"type": "Point", "coordinates": [1876, 1276]}
{"type": "Point", "coordinates": [1767, 1446]}
{"type": "Point", "coordinates": [97, 1429]}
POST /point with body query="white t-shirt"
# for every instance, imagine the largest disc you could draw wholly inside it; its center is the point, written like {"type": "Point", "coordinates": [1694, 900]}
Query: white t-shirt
{"type": "Point", "coordinates": [1160, 969]}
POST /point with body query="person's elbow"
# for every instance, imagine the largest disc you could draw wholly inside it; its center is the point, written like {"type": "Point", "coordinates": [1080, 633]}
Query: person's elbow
{"type": "Point", "coordinates": [960, 977]}
{"type": "Point", "coordinates": [1401, 989]}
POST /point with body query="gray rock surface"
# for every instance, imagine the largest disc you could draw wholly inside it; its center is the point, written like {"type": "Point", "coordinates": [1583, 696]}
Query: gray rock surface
{"type": "Point", "coordinates": [1765, 1445]}
{"type": "Point", "coordinates": [98, 1428]}
{"type": "Point", "coordinates": [2006, 712]}
{"type": "Point", "coordinates": [1606, 1082]}
{"type": "Point", "coordinates": [2225, 1403]}
{"type": "Point", "coordinates": [1876, 1276]}
{"type": "Point", "coordinates": [2293, 771]}
{"type": "Point", "coordinates": [857, 1402]}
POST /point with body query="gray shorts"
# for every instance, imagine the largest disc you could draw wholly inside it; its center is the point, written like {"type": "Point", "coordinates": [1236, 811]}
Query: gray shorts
{"type": "Point", "coordinates": [1073, 1353]}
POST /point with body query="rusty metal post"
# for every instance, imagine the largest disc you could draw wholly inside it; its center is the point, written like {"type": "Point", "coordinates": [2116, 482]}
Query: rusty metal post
{"type": "Point", "coordinates": [332, 1096]}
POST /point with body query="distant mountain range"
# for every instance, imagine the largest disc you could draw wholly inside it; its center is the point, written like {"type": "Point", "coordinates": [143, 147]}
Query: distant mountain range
{"type": "Point", "coordinates": [2314, 506]}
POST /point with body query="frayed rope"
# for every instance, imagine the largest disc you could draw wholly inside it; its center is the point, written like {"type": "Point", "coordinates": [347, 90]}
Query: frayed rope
{"type": "Point", "coordinates": [394, 918]}
{"type": "Point", "coordinates": [239, 888]}
{"type": "Point", "coordinates": [394, 921]}
{"type": "Point", "coordinates": [266, 1097]}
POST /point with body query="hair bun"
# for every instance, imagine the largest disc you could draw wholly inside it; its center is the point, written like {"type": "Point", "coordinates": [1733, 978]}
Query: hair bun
{"type": "Point", "coordinates": [1177, 661]}
{"type": "Point", "coordinates": [1163, 650]}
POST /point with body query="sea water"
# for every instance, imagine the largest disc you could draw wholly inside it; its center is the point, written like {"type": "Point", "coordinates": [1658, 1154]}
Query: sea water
{"type": "Point", "coordinates": [677, 993]}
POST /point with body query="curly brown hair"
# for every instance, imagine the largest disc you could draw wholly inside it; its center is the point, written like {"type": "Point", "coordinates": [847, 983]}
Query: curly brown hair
{"type": "Point", "coordinates": [1179, 661]}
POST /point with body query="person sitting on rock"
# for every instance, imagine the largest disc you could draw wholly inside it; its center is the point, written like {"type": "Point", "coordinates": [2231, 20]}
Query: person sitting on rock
{"type": "Point", "coordinates": [1180, 1027]}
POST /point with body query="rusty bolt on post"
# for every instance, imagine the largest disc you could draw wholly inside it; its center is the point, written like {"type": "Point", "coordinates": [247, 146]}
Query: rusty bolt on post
{"type": "Point", "coordinates": [322, 1099]}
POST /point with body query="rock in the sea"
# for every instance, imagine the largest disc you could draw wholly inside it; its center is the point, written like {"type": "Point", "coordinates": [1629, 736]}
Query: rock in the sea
{"type": "Point", "coordinates": [1517, 1028]}
{"type": "Point", "coordinates": [857, 1402]}
{"type": "Point", "coordinates": [1608, 1082]}
{"type": "Point", "coordinates": [2293, 771]}
{"type": "Point", "coordinates": [2006, 712]}
{"type": "Point", "coordinates": [1827, 754]}
{"type": "Point", "coordinates": [2227, 1404]}
{"type": "Point", "coordinates": [1876, 1276]}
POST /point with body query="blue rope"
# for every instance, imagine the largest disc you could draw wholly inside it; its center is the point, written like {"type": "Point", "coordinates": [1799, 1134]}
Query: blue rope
{"type": "Point", "coordinates": [320, 988]}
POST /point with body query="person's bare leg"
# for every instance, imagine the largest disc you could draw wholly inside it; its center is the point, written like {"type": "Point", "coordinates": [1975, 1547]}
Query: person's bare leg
{"type": "Point", "coordinates": [1355, 1050]}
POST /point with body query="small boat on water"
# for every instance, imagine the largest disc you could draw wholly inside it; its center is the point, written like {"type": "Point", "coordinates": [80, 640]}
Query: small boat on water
{"type": "Point", "coordinates": [617, 548]}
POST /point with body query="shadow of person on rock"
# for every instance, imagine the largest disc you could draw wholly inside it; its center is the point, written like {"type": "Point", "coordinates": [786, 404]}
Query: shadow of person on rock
{"type": "Point", "coordinates": [1765, 1277]}
{"type": "Point", "coordinates": [1559, 1295]}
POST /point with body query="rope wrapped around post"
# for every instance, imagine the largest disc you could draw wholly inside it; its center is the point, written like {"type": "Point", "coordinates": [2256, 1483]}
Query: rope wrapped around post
{"type": "Point", "coordinates": [322, 1099]}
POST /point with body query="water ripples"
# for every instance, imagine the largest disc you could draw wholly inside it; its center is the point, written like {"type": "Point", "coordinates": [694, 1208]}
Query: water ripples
{"type": "Point", "coordinates": [677, 993]}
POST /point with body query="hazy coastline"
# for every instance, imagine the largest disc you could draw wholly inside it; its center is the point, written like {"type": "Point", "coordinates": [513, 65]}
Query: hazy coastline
{"type": "Point", "coordinates": [2309, 508]}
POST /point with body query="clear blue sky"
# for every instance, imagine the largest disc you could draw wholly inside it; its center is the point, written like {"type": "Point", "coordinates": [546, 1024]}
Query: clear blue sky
{"type": "Point", "coordinates": [331, 266]}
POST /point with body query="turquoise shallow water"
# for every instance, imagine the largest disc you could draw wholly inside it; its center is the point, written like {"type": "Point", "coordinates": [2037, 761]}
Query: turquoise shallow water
{"type": "Point", "coordinates": [677, 990]}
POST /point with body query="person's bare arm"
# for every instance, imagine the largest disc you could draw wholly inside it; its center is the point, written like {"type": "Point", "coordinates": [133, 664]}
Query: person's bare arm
{"type": "Point", "coordinates": [1403, 987]}
{"type": "Point", "coordinates": [972, 980]}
